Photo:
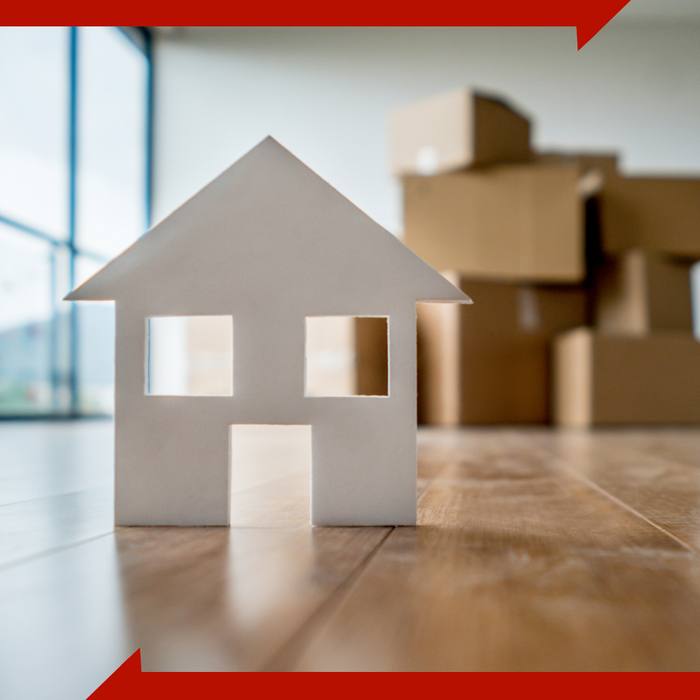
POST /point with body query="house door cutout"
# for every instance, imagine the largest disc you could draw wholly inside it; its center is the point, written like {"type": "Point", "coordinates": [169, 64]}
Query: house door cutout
{"type": "Point", "coordinates": [270, 475]}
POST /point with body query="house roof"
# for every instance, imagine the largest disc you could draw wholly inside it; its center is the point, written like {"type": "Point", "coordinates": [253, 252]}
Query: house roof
{"type": "Point", "coordinates": [270, 227]}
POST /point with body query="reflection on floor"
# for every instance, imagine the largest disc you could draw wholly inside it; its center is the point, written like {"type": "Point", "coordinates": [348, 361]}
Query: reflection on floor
{"type": "Point", "coordinates": [536, 549]}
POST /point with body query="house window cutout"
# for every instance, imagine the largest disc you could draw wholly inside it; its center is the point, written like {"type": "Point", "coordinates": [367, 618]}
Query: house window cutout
{"type": "Point", "coordinates": [189, 356]}
{"type": "Point", "coordinates": [270, 475]}
{"type": "Point", "coordinates": [347, 356]}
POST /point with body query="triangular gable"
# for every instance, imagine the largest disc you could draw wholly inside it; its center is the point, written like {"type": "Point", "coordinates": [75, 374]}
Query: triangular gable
{"type": "Point", "coordinates": [255, 198]}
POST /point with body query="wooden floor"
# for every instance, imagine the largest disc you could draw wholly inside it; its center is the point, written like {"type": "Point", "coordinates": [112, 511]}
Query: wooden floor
{"type": "Point", "coordinates": [536, 550]}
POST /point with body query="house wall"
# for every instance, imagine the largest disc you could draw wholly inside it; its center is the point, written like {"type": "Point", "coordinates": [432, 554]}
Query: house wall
{"type": "Point", "coordinates": [325, 94]}
{"type": "Point", "coordinates": [172, 452]}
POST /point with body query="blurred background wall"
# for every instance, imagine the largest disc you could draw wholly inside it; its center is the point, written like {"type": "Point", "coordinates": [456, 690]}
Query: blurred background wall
{"type": "Point", "coordinates": [325, 94]}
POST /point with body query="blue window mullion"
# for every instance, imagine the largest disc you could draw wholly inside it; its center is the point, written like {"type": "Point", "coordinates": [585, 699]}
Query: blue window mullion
{"type": "Point", "coordinates": [148, 51]}
{"type": "Point", "coordinates": [72, 214]}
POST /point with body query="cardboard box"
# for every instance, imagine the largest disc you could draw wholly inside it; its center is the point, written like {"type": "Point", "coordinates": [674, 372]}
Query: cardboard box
{"type": "Point", "coordinates": [604, 162]}
{"type": "Point", "coordinates": [642, 291]}
{"type": "Point", "coordinates": [659, 214]}
{"type": "Point", "coordinates": [489, 362]}
{"type": "Point", "coordinates": [372, 356]}
{"type": "Point", "coordinates": [457, 130]}
{"type": "Point", "coordinates": [510, 223]}
{"type": "Point", "coordinates": [606, 380]}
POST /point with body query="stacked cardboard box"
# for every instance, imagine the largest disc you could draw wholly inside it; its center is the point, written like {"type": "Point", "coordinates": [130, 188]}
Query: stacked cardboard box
{"type": "Point", "coordinates": [603, 379]}
{"type": "Point", "coordinates": [512, 227]}
{"type": "Point", "coordinates": [511, 222]}
{"type": "Point", "coordinates": [639, 291]}
{"type": "Point", "coordinates": [489, 363]}
{"type": "Point", "coordinates": [495, 212]}
{"type": "Point", "coordinates": [640, 363]}
{"type": "Point", "coordinates": [457, 130]}
{"type": "Point", "coordinates": [543, 243]}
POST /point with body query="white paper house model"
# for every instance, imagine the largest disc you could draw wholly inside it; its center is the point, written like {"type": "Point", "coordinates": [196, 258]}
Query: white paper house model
{"type": "Point", "coordinates": [269, 243]}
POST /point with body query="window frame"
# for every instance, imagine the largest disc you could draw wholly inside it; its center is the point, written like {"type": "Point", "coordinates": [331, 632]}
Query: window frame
{"type": "Point", "coordinates": [141, 38]}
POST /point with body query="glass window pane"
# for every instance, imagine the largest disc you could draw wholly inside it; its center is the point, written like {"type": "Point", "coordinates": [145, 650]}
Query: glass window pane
{"type": "Point", "coordinates": [62, 331]}
{"type": "Point", "coordinates": [27, 311]}
{"type": "Point", "coordinates": [34, 127]}
{"type": "Point", "coordinates": [112, 79]}
{"type": "Point", "coordinates": [95, 353]}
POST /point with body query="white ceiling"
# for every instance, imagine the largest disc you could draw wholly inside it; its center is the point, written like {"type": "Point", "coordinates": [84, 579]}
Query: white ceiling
{"type": "Point", "coordinates": [661, 10]}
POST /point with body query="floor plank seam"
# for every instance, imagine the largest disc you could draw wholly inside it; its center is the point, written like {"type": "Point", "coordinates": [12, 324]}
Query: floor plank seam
{"type": "Point", "coordinates": [596, 487]}
{"type": "Point", "coordinates": [48, 552]}
{"type": "Point", "coordinates": [289, 653]}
